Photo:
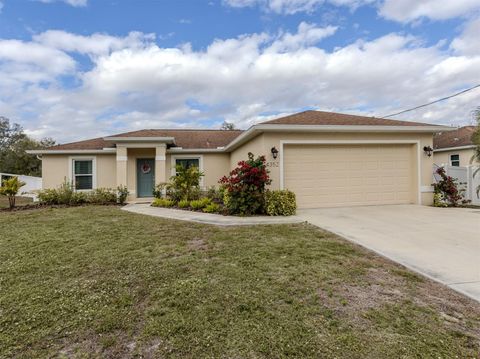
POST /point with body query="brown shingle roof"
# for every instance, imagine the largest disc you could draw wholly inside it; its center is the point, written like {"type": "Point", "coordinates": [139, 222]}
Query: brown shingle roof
{"type": "Point", "coordinates": [211, 139]}
{"type": "Point", "coordinates": [460, 137]}
{"type": "Point", "coordinates": [205, 139]}
{"type": "Point", "coordinates": [338, 119]}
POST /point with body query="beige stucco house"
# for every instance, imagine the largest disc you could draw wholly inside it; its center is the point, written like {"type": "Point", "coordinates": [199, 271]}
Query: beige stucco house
{"type": "Point", "coordinates": [454, 148]}
{"type": "Point", "coordinates": [327, 159]}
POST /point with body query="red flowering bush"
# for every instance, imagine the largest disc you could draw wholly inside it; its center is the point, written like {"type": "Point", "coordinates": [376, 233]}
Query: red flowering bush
{"type": "Point", "coordinates": [244, 187]}
{"type": "Point", "coordinates": [447, 188]}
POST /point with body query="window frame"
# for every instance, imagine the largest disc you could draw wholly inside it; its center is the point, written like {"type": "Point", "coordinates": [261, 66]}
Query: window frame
{"type": "Point", "coordinates": [452, 161]}
{"type": "Point", "coordinates": [173, 163]}
{"type": "Point", "coordinates": [72, 175]}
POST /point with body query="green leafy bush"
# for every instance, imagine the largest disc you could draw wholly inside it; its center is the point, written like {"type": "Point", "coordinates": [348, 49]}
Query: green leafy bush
{"type": "Point", "coordinates": [244, 187]}
{"type": "Point", "coordinates": [10, 188]}
{"type": "Point", "coordinates": [185, 185]}
{"type": "Point", "coordinates": [183, 203]}
{"type": "Point", "coordinates": [200, 203]}
{"type": "Point", "coordinates": [163, 202]}
{"type": "Point", "coordinates": [65, 194]}
{"type": "Point", "coordinates": [212, 208]}
{"type": "Point", "coordinates": [439, 201]}
{"type": "Point", "coordinates": [122, 194]}
{"type": "Point", "coordinates": [160, 190]}
{"type": "Point", "coordinates": [280, 203]}
{"type": "Point", "coordinates": [215, 194]}
{"type": "Point", "coordinates": [101, 196]}
{"type": "Point", "coordinates": [48, 196]}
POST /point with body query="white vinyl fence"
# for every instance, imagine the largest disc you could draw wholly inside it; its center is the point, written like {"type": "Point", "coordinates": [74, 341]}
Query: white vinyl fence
{"type": "Point", "coordinates": [32, 184]}
{"type": "Point", "coordinates": [464, 175]}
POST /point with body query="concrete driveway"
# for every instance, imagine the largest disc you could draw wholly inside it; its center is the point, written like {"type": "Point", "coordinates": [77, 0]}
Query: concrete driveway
{"type": "Point", "coordinates": [441, 243]}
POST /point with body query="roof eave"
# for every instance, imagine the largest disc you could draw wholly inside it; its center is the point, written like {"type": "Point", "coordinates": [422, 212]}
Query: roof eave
{"type": "Point", "coordinates": [457, 148]}
{"type": "Point", "coordinates": [73, 152]}
{"type": "Point", "coordinates": [260, 128]}
{"type": "Point", "coordinates": [140, 139]}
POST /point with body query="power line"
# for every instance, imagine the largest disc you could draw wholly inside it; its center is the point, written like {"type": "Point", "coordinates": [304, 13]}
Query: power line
{"type": "Point", "coordinates": [431, 103]}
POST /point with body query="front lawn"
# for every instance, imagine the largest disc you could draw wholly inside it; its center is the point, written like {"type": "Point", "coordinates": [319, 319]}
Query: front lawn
{"type": "Point", "coordinates": [101, 282]}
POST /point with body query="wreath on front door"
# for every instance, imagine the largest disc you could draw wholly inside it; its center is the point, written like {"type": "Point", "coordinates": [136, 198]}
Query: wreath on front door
{"type": "Point", "coordinates": [146, 168]}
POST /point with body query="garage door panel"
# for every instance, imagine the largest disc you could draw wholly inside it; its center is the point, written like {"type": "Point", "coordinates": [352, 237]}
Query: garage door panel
{"type": "Point", "coordinates": [345, 175]}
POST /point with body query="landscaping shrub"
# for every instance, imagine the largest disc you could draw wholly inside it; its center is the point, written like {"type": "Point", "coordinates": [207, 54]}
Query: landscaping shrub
{"type": "Point", "coordinates": [212, 208]}
{"type": "Point", "coordinates": [200, 203]}
{"type": "Point", "coordinates": [184, 204]}
{"type": "Point", "coordinates": [185, 185]}
{"type": "Point", "coordinates": [48, 196]}
{"type": "Point", "coordinates": [10, 188]}
{"type": "Point", "coordinates": [215, 194]}
{"type": "Point", "coordinates": [280, 203]}
{"type": "Point", "coordinates": [66, 195]}
{"type": "Point", "coordinates": [101, 196]}
{"type": "Point", "coordinates": [447, 189]}
{"type": "Point", "coordinates": [160, 190]}
{"type": "Point", "coordinates": [122, 194]}
{"type": "Point", "coordinates": [244, 187]}
{"type": "Point", "coordinates": [163, 202]}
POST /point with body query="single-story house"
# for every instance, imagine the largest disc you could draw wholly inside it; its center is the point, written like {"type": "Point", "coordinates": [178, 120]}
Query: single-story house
{"type": "Point", "coordinates": [454, 148]}
{"type": "Point", "coordinates": [327, 159]}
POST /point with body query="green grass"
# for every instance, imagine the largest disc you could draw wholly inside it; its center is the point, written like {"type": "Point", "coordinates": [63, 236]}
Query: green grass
{"type": "Point", "coordinates": [20, 201]}
{"type": "Point", "coordinates": [99, 282]}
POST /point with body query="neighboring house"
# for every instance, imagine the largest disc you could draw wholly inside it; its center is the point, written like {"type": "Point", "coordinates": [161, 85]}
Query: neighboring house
{"type": "Point", "coordinates": [454, 148]}
{"type": "Point", "coordinates": [327, 159]}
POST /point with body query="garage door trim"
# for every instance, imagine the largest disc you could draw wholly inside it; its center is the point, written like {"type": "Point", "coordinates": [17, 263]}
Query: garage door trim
{"type": "Point", "coordinates": [352, 142]}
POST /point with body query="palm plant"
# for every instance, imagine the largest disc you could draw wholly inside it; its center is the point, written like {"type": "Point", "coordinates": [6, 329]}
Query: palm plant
{"type": "Point", "coordinates": [10, 188]}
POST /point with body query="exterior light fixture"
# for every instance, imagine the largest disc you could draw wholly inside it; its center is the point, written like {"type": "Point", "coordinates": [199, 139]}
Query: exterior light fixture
{"type": "Point", "coordinates": [428, 150]}
{"type": "Point", "coordinates": [274, 153]}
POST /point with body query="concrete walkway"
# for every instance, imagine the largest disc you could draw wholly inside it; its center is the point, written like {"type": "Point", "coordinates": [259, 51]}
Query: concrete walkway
{"type": "Point", "coordinates": [208, 218]}
{"type": "Point", "coordinates": [440, 243]}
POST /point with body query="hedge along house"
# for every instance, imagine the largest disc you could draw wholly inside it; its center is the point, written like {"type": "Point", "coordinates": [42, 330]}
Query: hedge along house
{"type": "Point", "coordinates": [327, 159]}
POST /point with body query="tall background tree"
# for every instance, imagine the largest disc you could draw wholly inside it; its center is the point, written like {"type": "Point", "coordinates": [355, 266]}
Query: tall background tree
{"type": "Point", "coordinates": [13, 145]}
{"type": "Point", "coordinates": [227, 126]}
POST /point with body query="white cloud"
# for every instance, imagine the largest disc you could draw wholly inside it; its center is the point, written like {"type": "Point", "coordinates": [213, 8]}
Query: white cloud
{"type": "Point", "coordinates": [134, 83]}
{"type": "Point", "coordinates": [76, 3]}
{"type": "Point", "coordinates": [402, 11]}
{"type": "Point", "coordinates": [293, 6]}
{"type": "Point", "coordinates": [410, 10]}
{"type": "Point", "coordinates": [1, 7]}
{"type": "Point", "coordinates": [95, 44]}
{"type": "Point", "coordinates": [468, 43]}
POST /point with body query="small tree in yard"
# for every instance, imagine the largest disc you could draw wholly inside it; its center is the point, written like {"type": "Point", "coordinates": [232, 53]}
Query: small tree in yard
{"type": "Point", "coordinates": [10, 188]}
{"type": "Point", "coordinates": [245, 186]}
{"type": "Point", "coordinates": [185, 185]}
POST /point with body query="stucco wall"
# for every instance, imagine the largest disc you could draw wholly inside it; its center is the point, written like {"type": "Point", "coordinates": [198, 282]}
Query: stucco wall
{"type": "Point", "coordinates": [255, 146]}
{"type": "Point", "coordinates": [443, 157]}
{"type": "Point", "coordinates": [56, 169]}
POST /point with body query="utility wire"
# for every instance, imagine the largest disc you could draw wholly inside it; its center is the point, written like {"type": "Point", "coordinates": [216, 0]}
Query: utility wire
{"type": "Point", "coordinates": [431, 103]}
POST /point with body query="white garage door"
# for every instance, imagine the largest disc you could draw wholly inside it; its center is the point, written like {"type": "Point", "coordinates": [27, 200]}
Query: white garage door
{"type": "Point", "coordinates": [347, 175]}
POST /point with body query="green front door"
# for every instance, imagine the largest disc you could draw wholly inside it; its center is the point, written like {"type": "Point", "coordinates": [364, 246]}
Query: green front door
{"type": "Point", "coordinates": [145, 177]}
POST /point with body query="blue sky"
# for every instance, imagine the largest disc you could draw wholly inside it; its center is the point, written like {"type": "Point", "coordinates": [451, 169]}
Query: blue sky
{"type": "Point", "coordinates": [72, 69]}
